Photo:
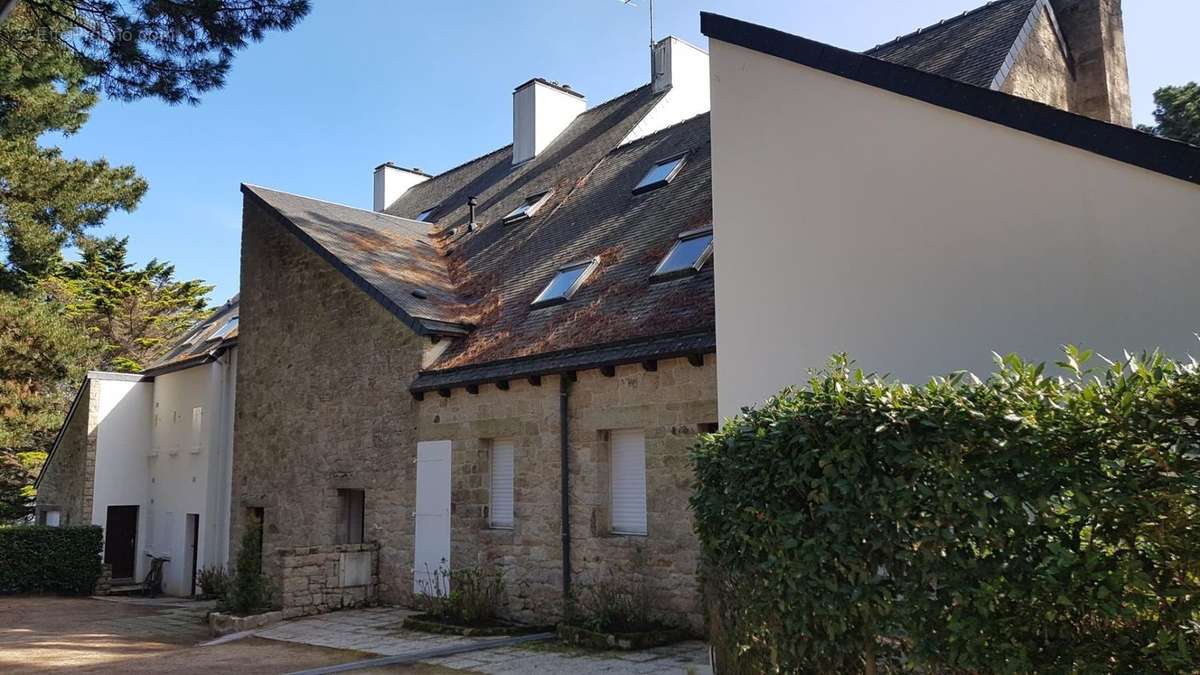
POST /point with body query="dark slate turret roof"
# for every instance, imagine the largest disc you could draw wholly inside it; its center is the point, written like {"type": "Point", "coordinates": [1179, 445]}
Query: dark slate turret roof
{"type": "Point", "coordinates": [970, 48]}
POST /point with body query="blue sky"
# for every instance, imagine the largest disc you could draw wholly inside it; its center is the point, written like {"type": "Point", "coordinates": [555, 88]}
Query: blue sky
{"type": "Point", "coordinates": [429, 84]}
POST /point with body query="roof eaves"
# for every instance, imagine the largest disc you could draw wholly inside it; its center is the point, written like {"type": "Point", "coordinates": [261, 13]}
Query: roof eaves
{"type": "Point", "coordinates": [569, 360]}
{"type": "Point", "coordinates": [1164, 156]}
{"type": "Point", "coordinates": [414, 323]}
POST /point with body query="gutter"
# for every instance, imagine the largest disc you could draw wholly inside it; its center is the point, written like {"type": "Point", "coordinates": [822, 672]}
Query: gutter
{"type": "Point", "coordinates": [564, 394]}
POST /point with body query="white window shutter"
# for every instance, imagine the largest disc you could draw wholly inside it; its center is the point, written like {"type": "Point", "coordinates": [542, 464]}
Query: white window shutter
{"type": "Point", "coordinates": [628, 470]}
{"type": "Point", "coordinates": [502, 484]}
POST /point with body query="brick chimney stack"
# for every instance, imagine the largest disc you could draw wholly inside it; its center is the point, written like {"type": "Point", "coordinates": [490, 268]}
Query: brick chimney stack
{"type": "Point", "coordinates": [1095, 34]}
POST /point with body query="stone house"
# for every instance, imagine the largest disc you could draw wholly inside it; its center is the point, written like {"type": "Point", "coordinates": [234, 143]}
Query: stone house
{"type": "Point", "coordinates": [147, 456]}
{"type": "Point", "coordinates": [504, 365]}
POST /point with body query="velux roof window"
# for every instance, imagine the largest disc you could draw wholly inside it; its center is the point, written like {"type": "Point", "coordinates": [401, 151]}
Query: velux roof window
{"type": "Point", "coordinates": [225, 330]}
{"type": "Point", "coordinates": [565, 282]}
{"type": "Point", "coordinates": [687, 256]}
{"type": "Point", "coordinates": [427, 215]}
{"type": "Point", "coordinates": [529, 207]}
{"type": "Point", "coordinates": [660, 174]}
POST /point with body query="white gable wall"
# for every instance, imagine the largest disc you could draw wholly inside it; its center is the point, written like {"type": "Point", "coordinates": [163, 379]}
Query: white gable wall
{"type": "Point", "coordinates": [122, 436]}
{"type": "Point", "coordinates": [189, 467]}
{"type": "Point", "coordinates": [919, 240]}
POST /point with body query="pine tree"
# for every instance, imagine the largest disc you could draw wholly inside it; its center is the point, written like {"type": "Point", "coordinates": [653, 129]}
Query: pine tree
{"type": "Point", "coordinates": [136, 313]}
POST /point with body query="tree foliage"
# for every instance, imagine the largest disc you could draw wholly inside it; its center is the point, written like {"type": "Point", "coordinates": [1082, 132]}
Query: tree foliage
{"type": "Point", "coordinates": [43, 358]}
{"type": "Point", "coordinates": [1022, 524]}
{"type": "Point", "coordinates": [47, 201]}
{"type": "Point", "coordinates": [169, 49]}
{"type": "Point", "coordinates": [134, 312]}
{"type": "Point", "coordinates": [1177, 113]}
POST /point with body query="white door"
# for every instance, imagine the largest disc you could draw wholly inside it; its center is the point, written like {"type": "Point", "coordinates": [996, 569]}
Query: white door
{"type": "Point", "coordinates": [432, 547]}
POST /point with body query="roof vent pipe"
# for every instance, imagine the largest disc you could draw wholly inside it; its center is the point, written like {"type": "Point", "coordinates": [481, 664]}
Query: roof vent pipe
{"type": "Point", "coordinates": [471, 204]}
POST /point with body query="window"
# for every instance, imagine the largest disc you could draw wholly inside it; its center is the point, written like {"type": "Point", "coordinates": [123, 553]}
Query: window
{"type": "Point", "coordinates": [427, 215]}
{"type": "Point", "coordinates": [52, 518]}
{"type": "Point", "coordinates": [528, 208]}
{"type": "Point", "coordinates": [197, 429]}
{"type": "Point", "coordinates": [660, 174]}
{"type": "Point", "coordinates": [688, 255]}
{"type": "Point", "coordinates": [627, 467]}
{"type": "Point", "coordinates": [351, 504]}
{"type": "Point", "coordinates": [565, 282]}
{"type": "Point", "coordinates": [225, 330]}
{"type": "Point", "coordinates": [502, 484]}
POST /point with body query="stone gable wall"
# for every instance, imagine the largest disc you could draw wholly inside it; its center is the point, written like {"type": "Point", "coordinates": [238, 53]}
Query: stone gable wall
{"type": "Point", "coordinates": [322, 404]}
{"type": "Point", "coordinates": [1041, 73]}
{"type": "Point", "coordinates": [69, 482]}
{"type": "Point", "coordinates": [670, 405]}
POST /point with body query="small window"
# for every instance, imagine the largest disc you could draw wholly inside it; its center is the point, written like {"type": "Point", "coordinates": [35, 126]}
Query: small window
{"type": "Point", "coordinates": [565, 282]}
{"type": "Point", "coordinates": [52, 518]}
{"type": "Point", "coordinates": [502, 484]}
{"type": "Point", "coordinates": [528, 208]}
{"type": "Point", "coordinates": [660, 174]}
{"type": "Point", "coordinates": [351, 504]}
{"type": "Point", "coordinates": [225, 330]}
{"type": "Point", "coordinates": [688, 255]}
{"type": "Point", "coordinates": [427, 215]}
{"type": "Point", "coordinates": [197, 429]}
{"type": "Point", "coordinates": [627, 467]}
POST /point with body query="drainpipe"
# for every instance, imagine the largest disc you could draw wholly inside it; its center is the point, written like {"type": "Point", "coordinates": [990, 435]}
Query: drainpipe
{"type": "Point", "coordinates": [564, 393]}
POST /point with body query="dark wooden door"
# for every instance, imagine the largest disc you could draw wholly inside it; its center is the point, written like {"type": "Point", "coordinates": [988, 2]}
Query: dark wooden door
{"type": "Point", "coordinates": [120, 540]}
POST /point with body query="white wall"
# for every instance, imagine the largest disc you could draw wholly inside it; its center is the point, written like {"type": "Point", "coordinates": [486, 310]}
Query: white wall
{"type": "Point", "coordinates": [918, 239]}
{"type": "Point", "coordinates": [681, 69]}
{"type": "Point", "coordinates": [122, 436]}
{"type": "Point", "coordinates": [189, 468]}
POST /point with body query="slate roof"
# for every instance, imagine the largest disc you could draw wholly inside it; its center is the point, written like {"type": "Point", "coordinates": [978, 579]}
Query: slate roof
{"type": "Point", "coordinates": [477, 283]}
{"type": "Point", "coordinates": [970, 48]}
{"type": "Point", "coordinates": [200, 344]}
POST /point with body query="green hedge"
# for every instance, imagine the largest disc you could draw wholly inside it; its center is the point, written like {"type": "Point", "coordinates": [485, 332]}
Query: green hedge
{"type": "Point", "coordinates": [1022, 524]}
{"type": "Point", "coordinates": [50, 559]}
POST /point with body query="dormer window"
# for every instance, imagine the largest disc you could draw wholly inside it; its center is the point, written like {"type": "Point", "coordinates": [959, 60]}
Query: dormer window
{"type": "Point", "coordinates": [427, 215]}
{"type": "Point", "coordinates": [529, 207]}
{"type": "Point", "coordinates": [687, 256]}
{"type": "Point", "coordinates": [565, 282]}
{"type": "Point", "coordinates": [225, 330]}
{"type": "Point", "coordinates": [660, 174]}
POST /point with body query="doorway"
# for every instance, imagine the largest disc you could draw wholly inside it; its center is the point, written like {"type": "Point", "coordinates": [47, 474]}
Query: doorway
{"type": "Point", "coordinates": [120, 540]}
{"type": "Point", "coordinates": [192, 532]}
{"type": "Point", "coordinates": [431, 550]}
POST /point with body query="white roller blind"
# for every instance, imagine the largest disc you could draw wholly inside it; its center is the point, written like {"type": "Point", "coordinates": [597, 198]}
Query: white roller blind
{"type": "Point", "coordinates": [502, 484]}
{"type": "Point", "coordinates": [628, 449]}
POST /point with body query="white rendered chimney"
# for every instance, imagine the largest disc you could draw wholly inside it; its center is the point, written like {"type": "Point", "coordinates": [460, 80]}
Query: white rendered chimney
{"type": "Point", "coordinates": [541, 111]}
{"type": "Point", "coordinates": [391, 182]}
{"type": "Point", "coordinates": [681, 71]}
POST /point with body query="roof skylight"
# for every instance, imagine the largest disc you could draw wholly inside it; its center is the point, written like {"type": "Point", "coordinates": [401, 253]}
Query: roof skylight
{"type": "Point", "coordinates": [660, 174]}
{"type": "Point", "coordinates": [529, 207]}
{"type": "Point", "coordinates": [225, 330]}
{"type": "Point", "coordinates": [427, 215]}
{"type": "Point", "coordinates": [688, 255]}
{"type": "Point", "coordinates": [565, 282]}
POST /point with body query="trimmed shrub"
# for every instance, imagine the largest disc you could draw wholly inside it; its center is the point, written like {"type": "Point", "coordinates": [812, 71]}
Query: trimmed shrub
{"type": "Point", "coordinates": [40, 559]}
{"type": "Point", "coordinates": [1022, 524]}
{"type": "Point", "coordinates": [214, 582]}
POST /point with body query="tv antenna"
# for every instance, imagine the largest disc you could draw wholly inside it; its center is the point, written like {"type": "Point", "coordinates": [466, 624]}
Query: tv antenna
{"type": "Point", "coordinates": [631, 3]}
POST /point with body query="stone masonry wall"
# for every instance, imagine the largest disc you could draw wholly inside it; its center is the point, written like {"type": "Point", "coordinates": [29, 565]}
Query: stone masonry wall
{"type": "Point", "coordinates": [1041, 73]}
{"type": "Point", "coordinates": [314, 581]}
{"type": "Point", "coordinates": [69, 481]}
{"type": "Point", "coordinates": [670, 405]}
{"type": "Point", "coordinates": [322, 404]}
